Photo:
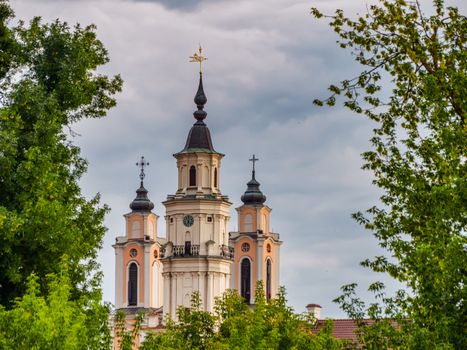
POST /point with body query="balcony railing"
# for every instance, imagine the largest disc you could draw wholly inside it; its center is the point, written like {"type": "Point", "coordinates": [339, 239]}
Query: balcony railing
{"type": "Point", "coordinates": [193, 250]}
{"type": "Point", "coordinates": [186, 250]}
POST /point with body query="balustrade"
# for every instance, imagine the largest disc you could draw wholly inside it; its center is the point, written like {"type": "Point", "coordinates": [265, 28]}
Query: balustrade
{"type": "Point", "coordinates": [193, 250]}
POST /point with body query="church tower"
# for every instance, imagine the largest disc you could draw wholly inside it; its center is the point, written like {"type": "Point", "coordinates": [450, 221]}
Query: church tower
{"type": "Point", "coordinates": [138, 271]}
{"type": "Point", "coordinates": [197, 256]}
{"type": "Point", "coordinates": [256, 247]}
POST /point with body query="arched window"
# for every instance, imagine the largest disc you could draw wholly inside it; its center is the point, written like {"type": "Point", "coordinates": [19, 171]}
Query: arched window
{"type": "Point", "coordinates": [248, 223]}
{"type": "Point", "coordinates": [245, 280]}
{"type": "Point", "coordinates": [215, 177]}
{"type": "Point", "coordinates": [133, 285]}
{"type": "Point", "coordinates": [268, 279]}
{"type": "Point", "coordinates": [187, 243]}
{"type": "Point", "coordinates": [192, 176]}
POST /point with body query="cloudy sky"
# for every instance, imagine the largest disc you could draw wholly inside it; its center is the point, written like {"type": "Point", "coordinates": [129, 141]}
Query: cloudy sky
{"type": "Point", "coordinates": [267, 61]}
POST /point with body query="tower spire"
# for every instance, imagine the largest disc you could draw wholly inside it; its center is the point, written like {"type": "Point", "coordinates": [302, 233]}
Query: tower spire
{"type": "Point", "coordinates": [200, 97]}
{"type": "Point", "coordinates": [142, 202]}
{"type": "Point", "coordinates": [253, 160]}
{"type": "Point", "coordinates": [200, 100]}
{"type": "Point", "coordinates": [199, 58]}
{"type": "Point", "coordinates": [142, 164]}
{"type": "Point", "coordinates": [253, 194]}
{"type": "Point", "coordinates": [199, 137]}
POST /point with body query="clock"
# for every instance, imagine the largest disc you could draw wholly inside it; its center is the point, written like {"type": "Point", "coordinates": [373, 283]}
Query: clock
{"type": "Point", "coordinates": [188, 220]}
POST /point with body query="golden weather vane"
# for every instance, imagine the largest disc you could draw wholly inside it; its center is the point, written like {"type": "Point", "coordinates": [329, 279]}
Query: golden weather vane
{"type": "Point", "coordinates": [198, 58]}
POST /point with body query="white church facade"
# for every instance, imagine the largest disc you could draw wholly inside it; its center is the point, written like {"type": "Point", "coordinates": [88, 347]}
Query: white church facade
{"type": "Point", "coordinates": [157, 273]}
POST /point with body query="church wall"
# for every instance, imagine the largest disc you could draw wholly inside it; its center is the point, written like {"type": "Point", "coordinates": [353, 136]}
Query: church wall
{"type": "Point", "coordinates": [152, 226]}
{"type": "Point", "coordinates": [156, 284]}
{"type": "Point", "coordinates": [118, 276]}
{"type": "Point", "coordinates": [276, 271]}
{"type": "Point", "coordinates": [264, 223]}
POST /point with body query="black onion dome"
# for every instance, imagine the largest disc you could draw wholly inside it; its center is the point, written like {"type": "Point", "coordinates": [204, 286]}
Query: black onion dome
{"type": "Point", "coordinates": [253, 194]}
{"type": "Point", "coordinates": [141, 202]}
{"type": "Point", "coordinates": [199, 137]}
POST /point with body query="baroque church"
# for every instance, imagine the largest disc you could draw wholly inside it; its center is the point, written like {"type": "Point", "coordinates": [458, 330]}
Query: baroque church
{"type": "Point", "coordinates": [158, 274]}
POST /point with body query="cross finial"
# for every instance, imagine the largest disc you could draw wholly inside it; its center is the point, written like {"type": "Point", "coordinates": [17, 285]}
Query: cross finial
{"type": "Point", "coordinates": [198, 58]}
{"type": "Point", "coordinates": [253, 160]}
{"type": "Point", "coordinates": [142, 164]}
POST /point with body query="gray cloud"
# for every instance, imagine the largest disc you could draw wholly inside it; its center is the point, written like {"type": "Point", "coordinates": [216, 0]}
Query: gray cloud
{"type": "Point", "coordinates": [267, 61]}
{"type": "Point", "coordinates": [186, 5]}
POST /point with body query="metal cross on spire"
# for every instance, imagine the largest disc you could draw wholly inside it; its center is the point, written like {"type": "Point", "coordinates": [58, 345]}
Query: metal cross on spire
{"type": "Point", "coordinates": [142, 164]}
{"type": "Point", "coordinates": [198, 58]}
{"type": "Point", "coordinates": [253, 160]}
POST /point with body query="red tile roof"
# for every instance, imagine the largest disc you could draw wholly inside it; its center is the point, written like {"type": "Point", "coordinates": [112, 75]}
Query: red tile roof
{"type": "Point", "coordinates": [342, 328]}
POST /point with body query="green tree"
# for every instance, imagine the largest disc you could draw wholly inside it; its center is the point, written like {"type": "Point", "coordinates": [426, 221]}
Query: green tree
{"type": "Point", "coordinates": [6, 41]}
{"type": "Point", "coordinates": [269, 324]}
{"type": "Point", "coordinates": [48, 81]}
{"type": "Point", "coordinates": [54, 321]}
{"type": "Point", "coordinates": [195, 329]}
{"type": "Point", "coordinates": [418, 160]}
{"type": "Point", "coordinates": [236, 325]}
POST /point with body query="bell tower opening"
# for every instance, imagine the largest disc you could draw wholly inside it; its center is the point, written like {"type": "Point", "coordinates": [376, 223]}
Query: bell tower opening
{"type": "Point", "coordinates": [192, 176]}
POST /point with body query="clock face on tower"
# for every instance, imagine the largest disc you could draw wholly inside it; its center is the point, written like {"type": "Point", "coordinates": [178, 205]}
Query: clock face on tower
{"type": "Point", "coordinates": [188, 220]}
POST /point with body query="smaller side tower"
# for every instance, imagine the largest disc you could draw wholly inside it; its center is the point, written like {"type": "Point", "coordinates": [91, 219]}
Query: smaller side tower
{"type": "Point", "coordinates": [257, 249]}
{"type": "Point", "coordinates": [138, 270]}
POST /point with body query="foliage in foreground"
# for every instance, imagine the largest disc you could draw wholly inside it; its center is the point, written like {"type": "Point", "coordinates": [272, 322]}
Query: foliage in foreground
{"type": "Point", "coordinates": [54, 321]}
{"type": "Point", "coordinates": [235, 325]}
{"type": "Point", "coordinates": [48, 81]}
{"type": "Point", "coordinates": [419, 161]}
